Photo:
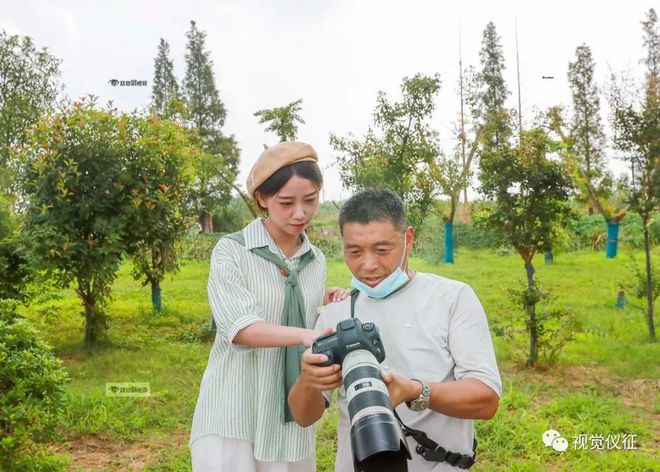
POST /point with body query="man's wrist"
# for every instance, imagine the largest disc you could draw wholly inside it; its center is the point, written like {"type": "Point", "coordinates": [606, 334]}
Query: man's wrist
{"type": "Point", "coordinates": [415, 391]}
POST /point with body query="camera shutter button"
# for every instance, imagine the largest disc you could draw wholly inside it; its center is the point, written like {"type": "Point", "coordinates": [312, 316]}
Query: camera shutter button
{"type": "Point", "coordinates": [368, 326]}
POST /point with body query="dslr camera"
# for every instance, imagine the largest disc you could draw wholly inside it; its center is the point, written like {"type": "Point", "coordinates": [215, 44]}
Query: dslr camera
{"type": "Point", "coordinates": [377, 441]}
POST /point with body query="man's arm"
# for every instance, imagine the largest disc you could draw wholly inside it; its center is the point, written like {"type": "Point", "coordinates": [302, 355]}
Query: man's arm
{"type": "Point", "coordinates": [466, 398]}
{"type": "Point", "coordinates": [306, 399]}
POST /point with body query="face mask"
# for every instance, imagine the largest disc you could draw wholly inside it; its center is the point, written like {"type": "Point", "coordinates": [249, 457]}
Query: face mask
{"type": "Point", "coordinates": [388, 285]}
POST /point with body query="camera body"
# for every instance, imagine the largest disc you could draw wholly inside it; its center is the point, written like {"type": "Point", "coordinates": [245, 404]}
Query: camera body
{"type": "Point", "coordinates": [351, 335]}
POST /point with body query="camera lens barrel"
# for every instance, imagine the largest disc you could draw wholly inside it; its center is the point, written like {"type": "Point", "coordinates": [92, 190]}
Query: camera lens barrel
{"type": "Point", "coordinates": [376, 437]}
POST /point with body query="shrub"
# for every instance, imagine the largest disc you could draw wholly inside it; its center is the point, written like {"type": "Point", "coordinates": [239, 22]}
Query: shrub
{"type": "Point", "coordinates": [31, 394]}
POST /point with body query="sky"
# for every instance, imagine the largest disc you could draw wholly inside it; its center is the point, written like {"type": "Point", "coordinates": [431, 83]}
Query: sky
{"type": "Point", "coordinates": [336, 55]}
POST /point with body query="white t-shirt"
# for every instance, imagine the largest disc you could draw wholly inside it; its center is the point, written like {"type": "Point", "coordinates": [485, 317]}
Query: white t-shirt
{"type": "Point", "coordinates": [434, 329]}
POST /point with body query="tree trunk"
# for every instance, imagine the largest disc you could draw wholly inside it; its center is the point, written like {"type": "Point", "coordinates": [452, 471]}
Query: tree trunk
{"type": "Point", "coordinates": [448, 257]}
{"type": "Point", "coordinates": [207, 222]}
{"type": "Point", "coordinates": [90, 320]}
{"type": "Point", "coordinates": [156, 299]}
{"type": "Point", "coordinates": [548, 257]}
{"type": "Point", "coordinates": [531, 315]}
{"type": "Point", "coordinates": [612, 239]}
{"type": "Point", "coordinates": [649, 278]}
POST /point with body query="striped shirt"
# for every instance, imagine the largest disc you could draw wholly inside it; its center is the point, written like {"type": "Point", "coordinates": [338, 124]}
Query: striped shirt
{"type": "Point", "coordinates": [239, 392]}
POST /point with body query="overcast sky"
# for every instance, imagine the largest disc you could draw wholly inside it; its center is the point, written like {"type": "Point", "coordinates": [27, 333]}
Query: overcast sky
{"type": "Point", "coordinates": [335, 55]}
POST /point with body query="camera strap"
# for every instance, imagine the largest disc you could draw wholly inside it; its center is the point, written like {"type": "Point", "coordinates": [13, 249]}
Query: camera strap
{"type": "Point", "coordinates": [427, 447]}
{"type": "Point", "coordinates": [431, 451]}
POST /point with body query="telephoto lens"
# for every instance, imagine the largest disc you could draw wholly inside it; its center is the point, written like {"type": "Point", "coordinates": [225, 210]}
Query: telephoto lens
{"type": "Point", "coordinates": [376, 438]}
{"type": "Point", "coordinates": [377, 441]}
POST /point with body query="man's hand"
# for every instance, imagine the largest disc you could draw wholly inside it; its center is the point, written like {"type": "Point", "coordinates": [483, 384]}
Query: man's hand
{"type": "Point", "coordinates": [400, 388]}
{"type": "Point", "coordinates": [335, 294]}
{"type": "Point", "coordinates": [315, 377]}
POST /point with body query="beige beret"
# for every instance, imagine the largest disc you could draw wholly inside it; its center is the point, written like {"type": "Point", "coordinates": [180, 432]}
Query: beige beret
{"type": "Point", "coordinates": [276, 157]}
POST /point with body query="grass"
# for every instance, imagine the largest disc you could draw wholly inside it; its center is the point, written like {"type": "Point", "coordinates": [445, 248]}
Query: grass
{"type": "Point", "coordinates": [605, 383]}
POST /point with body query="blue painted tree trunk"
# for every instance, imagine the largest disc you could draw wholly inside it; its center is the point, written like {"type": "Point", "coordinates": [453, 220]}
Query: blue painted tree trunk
{"type": "Point", "coordinates": [448, 257]}
{"type": "Point", "coordinates": [548, 257]}
{"type": "Point", "coordinates": [612, 239]}
{"type": "Point", "coordinates": [156, 299]}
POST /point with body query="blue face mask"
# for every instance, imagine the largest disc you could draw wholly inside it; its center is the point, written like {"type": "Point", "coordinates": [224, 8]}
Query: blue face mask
{"type": "Point", "coordinates": [388, 285]}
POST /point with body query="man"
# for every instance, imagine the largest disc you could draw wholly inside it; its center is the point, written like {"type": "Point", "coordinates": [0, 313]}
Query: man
{"type": "Point", "coordinates": [433, 329]}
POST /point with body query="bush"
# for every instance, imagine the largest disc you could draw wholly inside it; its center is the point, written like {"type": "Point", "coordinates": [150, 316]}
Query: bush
{"type": "Point", "coordinates": [198, 247]}
{"type": "Point", "coordinates": [31, 395]}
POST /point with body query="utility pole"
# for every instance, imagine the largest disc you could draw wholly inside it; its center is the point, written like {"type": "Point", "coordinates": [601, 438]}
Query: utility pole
{"type": "Point", "coordinates": [460, 85]}
{"type": "Point", "coordinates": [518, 74]}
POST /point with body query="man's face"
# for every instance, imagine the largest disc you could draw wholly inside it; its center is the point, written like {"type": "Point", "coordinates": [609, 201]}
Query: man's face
{"type": "Point", "coordinates": [374, 250]}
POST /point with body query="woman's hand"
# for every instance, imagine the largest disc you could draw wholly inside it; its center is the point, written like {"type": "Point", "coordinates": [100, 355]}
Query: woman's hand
{"type": "Point", "coordinates": [335, 294]}
{"type": "Point", "coordinates": [309, 336]}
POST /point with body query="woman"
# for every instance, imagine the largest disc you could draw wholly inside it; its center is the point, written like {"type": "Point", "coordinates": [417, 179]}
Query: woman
{"type": "Point", "coordinates": [265, 285]}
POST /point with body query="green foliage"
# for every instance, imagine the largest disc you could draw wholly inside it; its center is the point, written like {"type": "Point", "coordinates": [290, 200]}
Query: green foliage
{"type": "Point", "coordinates": [198, 247]}
{"type": "Point", "coordinates": [205, 114]}
{"type": "Point", "coordinates": [31, 395]}
{"type": "Point", "coordinates": [399, 154]}
{"type": "Point", "coordinates": [74, 183]}
{"type": "Point", "coordinates": [158, 175]}
{"type": "Point", "coordinates": [14, 270]}
{"type": "Point", "coordinates": [489, 106]}
{"type": "Point", "coordinates": [530, 194]}
{"type": "Point", "coordinates": [637, 283]}
{"type": "Point", "coordinates": [165, 91]}
{"type": "Point", "coordinates": [555, 326]}
{"type": "Point", "coordinates": [283, 121]}
{"type": "Point", "coordinates": [29, 78]}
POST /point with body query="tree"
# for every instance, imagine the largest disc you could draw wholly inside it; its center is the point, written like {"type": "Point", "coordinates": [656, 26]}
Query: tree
{"type": "Point", "coordinates": [398, 156]}
{"type": "Point", "coordinates": [492, 93]}
{"type": "Point", "coordinates": [636, 120]}
{"type": "Point", "coordinates": [28, 88]}
{"type": "Point", "coordinates": [530, 194]}
{"type": "Point", "coordinates": [73, 179]}
{"type": "Point", "coordinates": [206, 115]}
{"type": "Point", "coordinates": [584, 145]}
{"type": "Point", "coordinates": [453, 174]}
{"type": "Point", "coordinates": [165, 99]}
{"type": "Point", "coordinates": [159, 175]}
{"type": "Point", "coordinates": [283, 121]}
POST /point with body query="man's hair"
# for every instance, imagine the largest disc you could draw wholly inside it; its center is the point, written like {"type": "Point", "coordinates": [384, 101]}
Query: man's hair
{"type": "Point", "coordinates": [373, 205]}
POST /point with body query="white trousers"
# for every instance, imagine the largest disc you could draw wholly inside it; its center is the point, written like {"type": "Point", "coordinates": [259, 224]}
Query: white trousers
{"type": "Point", "coordinates": [217, 454]}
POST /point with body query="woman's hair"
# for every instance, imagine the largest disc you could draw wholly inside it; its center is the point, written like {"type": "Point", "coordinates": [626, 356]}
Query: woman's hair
{"type": "Point", "coordinates": [306, 169]}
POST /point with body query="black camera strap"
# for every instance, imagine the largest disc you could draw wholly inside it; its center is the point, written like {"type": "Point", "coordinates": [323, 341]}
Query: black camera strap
{"type": "Point", "coordinates": [431, 451]}
{"type": "Point", "coordinates": [427, 447]}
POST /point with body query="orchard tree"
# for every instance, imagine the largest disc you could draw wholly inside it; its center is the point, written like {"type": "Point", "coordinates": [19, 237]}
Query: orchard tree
{"type": "Point", "coordinates": [283, 121]}
{"type": "Point", "coordinates": [398, 151]}
{"type": "Point", "coordinates": [159, 174]}
{"type": "Point", "coordinates": [584, 146]}
{"type": "Point", "coordinates": [73, 181]}
{"type": "Point", "coordinates": [636, 119]}
{"type": "Point", "coordinates": [530, 194]}
{"type": "Point", "coordinates": [29, 85]}
{"type": "Point", "coordinates": [206, 114]}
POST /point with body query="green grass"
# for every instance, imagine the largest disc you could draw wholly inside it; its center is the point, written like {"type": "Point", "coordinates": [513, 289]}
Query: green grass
{"type": "Point", "coordinates": [606, 382]}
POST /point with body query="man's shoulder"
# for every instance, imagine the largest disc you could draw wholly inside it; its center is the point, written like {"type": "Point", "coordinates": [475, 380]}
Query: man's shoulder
{"type": "Point", "coordinates": [432, 282]}
{"type": "Point", "coordinates": [334, 312]}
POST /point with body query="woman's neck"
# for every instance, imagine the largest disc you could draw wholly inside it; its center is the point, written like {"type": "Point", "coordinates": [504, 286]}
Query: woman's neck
{"type": "Point", "coordinates": [288, 243]}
